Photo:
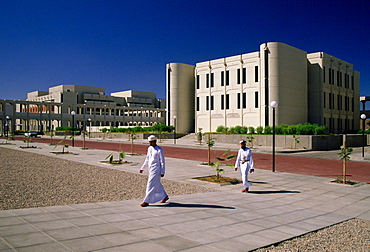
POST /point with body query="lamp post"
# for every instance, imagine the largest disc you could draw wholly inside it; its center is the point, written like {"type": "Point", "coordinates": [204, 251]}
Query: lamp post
{"type": "Point", "coordinates": [7, 126]}
{"type": "Point", "coordinates": [363, 117]}
{"type": "Point", "coordinates": [274, 105]}
{"type": "Point", "coordinates": [89, 119]}
{"type": "Point", "coordinates": [174, 132]}
{"type": "Point", "coordinates": [73, 128]}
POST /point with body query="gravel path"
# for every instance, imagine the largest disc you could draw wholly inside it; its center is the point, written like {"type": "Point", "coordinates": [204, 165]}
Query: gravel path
{"type": "Point", "coordinates": [32, 180]}
{"type": "Point", "coordinates": [352, 235]}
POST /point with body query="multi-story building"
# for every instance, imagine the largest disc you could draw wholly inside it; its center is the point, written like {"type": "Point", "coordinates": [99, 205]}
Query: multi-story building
{"type": "Point", "coordinates": [237, 90]}
{"type": "Point", "coordinates": [67, 105]}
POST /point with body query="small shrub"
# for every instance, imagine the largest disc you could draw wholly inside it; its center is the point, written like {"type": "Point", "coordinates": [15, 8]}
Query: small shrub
{"type": "Point", "coordinates": [251, 130]}
{"type": "Point", "coordinates": [259, 130]}
{"type": "Point", "coordinates": [268, 130]}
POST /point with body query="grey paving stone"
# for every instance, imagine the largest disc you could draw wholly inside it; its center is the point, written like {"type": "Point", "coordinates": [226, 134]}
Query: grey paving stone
{"type": "Point", "coordinates": [175, 243]}
{"type": "Point", "coordinates": [67, 233]}
{"type": "Point", "coordinates": [54, 247]}
{"type": "Point", "coordinates": [100, 229]}
{"type": "Point", "coordinates": [27, 239]}
{"type": "Point", "coordinates": [86, 244]}
{"type": "Point", "coordinates": [121, 238]}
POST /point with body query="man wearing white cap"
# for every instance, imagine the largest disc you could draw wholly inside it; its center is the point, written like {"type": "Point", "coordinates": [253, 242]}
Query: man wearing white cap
{"type": "Point", "coordinates": [155, 161]}
{"type": "Point", "coordinates": [244, 161]}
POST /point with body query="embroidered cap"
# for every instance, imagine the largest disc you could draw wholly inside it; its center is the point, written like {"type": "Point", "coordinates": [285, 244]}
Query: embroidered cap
{"type": "Point", "coordinates": [152, 138]}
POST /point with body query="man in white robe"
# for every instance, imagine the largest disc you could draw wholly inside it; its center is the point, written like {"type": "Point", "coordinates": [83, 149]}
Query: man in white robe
{"type": "Point", "coordinates": [156, 165]}
{"type": "Point", "coordinates": [244, 161]}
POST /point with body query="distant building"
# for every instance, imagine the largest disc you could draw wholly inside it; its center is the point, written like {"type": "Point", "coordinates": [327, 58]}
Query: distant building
{"type": "Point", "coordinates": [43, 111]}
{"type": "Point", "coordinates": [237, 90]}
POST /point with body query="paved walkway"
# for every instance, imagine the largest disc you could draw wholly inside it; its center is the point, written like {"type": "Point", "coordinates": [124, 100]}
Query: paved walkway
{"type": "Point", "coordinates": [281, 205]}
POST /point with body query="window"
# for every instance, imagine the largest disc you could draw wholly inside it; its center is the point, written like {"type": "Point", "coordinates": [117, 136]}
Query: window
{"type": "Point", "coordinates": [222, 78]}
{"type": "Point", "coordinates": [212, 102]}
{"type": "Point", "coordinates": [212, 79]}
{"type": "Point", "coordinates": [198, 80]}
{"type": "Point", "coordinates": [256, 99]}
{"type": "Point", "coordinates": [198, 105]}
{"type": "Point", "coordinates": [227, 101]}
{"type": "Point", "coordinates": [244, 75]}
{"type": "Point", "coordinates": [238, 76]}
{"type": "Point", "coordinates": [324, 100]}
{"type": "Point", "coordinates": [324, 74]}
{"type": "Point", "coordinates": [329, 75]}
{"type": "Point", "coordinates": [238, 101]}
{"type": "Point", "coordinates": [227, 77]}
{"type": "Point", "coordinates": [244, 100]}
{"type": "Point", "coordinates": [207, 102]}
{"type": "Point", "coordinates": [207, 81]}
{"type": "Point", "coordinates": [256, 74]}
{"type": "Point", "coordinates": [222, 102]}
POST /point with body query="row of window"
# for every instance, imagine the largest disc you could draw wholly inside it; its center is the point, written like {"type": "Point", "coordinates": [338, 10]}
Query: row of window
{"type": "Point", "coordinates": [331, 102]}
{"type": "Point", "coordinates": [241, 77]}
{"type": "Point", "coordinates": [225, 101]}
{"type": "Point", "coordinates": [349, 80]}
{"type": "Point", "coordinates": [342, 124]}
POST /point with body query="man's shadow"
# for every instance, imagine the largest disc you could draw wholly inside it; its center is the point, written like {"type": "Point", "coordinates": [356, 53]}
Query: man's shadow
{"type": "Point", "coordinates": [271, 192]}
{"type": "Point", "coordinates": [190, 205]}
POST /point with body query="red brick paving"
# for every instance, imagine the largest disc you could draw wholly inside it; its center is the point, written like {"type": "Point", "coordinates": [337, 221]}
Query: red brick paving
{"type": "Point", "coordinates": [356, 171]}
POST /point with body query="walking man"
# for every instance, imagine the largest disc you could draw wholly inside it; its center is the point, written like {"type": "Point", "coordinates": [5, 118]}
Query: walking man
{"type": "Point", "coordinates": [244, 161]}
{"type": "Point", "coordinates": [156, 165]}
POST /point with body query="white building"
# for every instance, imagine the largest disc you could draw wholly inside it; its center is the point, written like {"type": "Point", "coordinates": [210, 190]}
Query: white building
{"type": "Point", "coordinates": [237, 90]}
{"type": "Point", "coordinates": [45, 110]}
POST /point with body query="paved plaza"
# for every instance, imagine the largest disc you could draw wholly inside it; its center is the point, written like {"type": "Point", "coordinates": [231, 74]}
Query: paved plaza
{"type": "Point", "coordinates": [280, 206]}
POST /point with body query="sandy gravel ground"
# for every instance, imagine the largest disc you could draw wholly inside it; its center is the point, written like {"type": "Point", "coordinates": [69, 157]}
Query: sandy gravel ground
{"type": "Point", "coordinates": [31, 180]}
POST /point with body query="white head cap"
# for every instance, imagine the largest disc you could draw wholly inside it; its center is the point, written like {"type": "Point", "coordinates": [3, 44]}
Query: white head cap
{"type": "Point", "coordinates": [152, 138]}
{"type": "Point", "coordinates": [242, 141]}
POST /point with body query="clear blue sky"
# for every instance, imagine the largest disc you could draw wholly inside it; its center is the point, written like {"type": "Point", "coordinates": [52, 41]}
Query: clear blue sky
{"type": "Point", "coordinates": [121, 45]}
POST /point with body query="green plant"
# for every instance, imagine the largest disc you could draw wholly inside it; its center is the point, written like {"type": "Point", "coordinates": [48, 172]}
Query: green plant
{"type": "Point", "coordinates": [63, 145]}
{"type": "Point", "coordinates": [345, 155]}
{"type": "Point", "coordinates": [251, 130]}
{"type": "Point", "coordinates": [259, 130]}
{"type": "Point", "coordinates": [110, 157]}
{"type": "Point", "coordinates": [210, 143]}
{"type": "Point", "coordinates": [295, 141]}
{"type": "Point", "coordinates": [224, 157]}
{"type": "Point", "coordinates": [250, 140]}
{"type": "Point", "coordinates": [268, 130]}
{"type": "Point", "coordinates": [132, 137]}
{"type": "Point", "coordinates": [200, 135]}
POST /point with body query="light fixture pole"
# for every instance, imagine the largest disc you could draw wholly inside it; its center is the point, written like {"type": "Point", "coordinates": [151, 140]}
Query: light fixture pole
{"type": "Point", "coordinates": [7, 126]}
{"type": "Point", "coordinates": [274, 105]}
{"type": "Point", "coordinates": [174, 132]}
{"type": "Point", "coordinates": [363, 117]}
{"type": "Point", "coordinates": [73, 128]}
{"type": "Point", "coordinates": [89, 119]}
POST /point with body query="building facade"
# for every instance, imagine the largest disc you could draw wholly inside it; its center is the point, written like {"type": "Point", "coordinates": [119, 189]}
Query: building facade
{"type": "Point", "coordinates": [237, 91]}
{"type": "Point", "coordinates": [44, 111]}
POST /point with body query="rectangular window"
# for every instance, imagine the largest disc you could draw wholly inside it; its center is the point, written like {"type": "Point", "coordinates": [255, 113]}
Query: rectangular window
{"type": "Point", "coordinates": [244, 75]}
{"type": "Point", "coordinates": [198, 79]}
{"type": "Point", "coordinates": [338, 102]}
{"type": "Point", "coordinates": [222, 78]}
{"type": "Point", "coordinates": [212, 79]}
{"type": "Point", "coordinates": [227, 101]}
{"type": "Point", "coordinates": [256, 74]}
{"type": "Point", "coordinates": [198, 105]}
{"type": "Point", "coordinates": [207, 81]}
{"type": "Point", "coordinates": [256, 99]}
{"type": "Point", "coordinates": [227, 78]}
{"type": "Point", "coordinates": [222, 102]}
{"type": "Point", "coordinates": [238, 101]}
{"type": "Point", "coordinates": [329, 75]}
{"type": "Point", "coordinates": [324, 74]}
{"type": "Point", "coordinates": [244, 100]}
{"type": "Point", "coordinates": [238, 76]}
{"type": "Point", "coordinates": [330, 101]}
{"type": "Point", "coordinates": [207, 102]}
{"type": "Point", "coordinates": [212, 102]}
{"type": "Point", "coordinates": [353, 82]}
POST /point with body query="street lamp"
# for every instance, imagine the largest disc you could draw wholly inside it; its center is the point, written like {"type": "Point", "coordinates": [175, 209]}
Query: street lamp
{"type": "Point", "coordinates": [73, 128]}
{"type": "Point", "coordinates": [274, 105]}
{"type": "Point", "coordinates": [7, 126]}
{"type": "Point", "coordinates": [174, 132]}
{"type": "Point", "coordinates": [363, 117]}
{"type": "Point", "coordinates": [89, 119]}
